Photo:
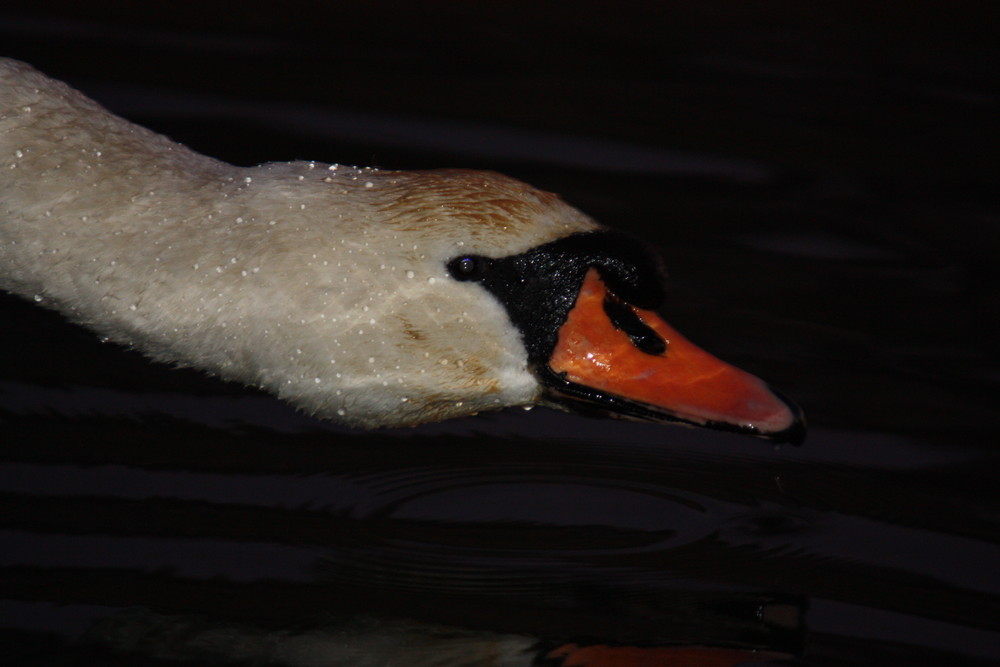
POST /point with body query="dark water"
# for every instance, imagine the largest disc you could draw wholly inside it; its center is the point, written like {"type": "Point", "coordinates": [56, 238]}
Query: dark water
{"type": "Point", "coordinates": [823, 188]}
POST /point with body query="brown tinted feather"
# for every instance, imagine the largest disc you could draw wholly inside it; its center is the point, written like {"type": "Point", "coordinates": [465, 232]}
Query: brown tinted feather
{"type": "Point", "coordinates": [486, 198]}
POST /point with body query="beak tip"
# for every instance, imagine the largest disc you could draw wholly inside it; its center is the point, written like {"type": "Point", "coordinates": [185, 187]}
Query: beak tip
{"type": "Point", "coordinates": [793, 435]}
{"type": "Point", "coordinates": [795, 431]}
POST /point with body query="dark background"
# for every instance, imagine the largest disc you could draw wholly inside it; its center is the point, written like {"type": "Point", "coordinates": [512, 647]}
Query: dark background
{"type": "Point", "coordinates": [822, 183]}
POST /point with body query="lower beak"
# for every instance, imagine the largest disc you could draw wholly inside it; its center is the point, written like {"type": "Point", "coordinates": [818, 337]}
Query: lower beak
{"type": "Point", "coordinates": [598, 367]}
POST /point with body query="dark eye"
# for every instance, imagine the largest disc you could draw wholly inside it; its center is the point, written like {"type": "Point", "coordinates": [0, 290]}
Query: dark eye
{"type": "Point", "coordinates": [468, 267]}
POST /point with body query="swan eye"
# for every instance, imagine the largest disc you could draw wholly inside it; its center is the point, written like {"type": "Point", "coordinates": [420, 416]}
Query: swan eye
{"type": "Point", "coordinates": [468, 267]}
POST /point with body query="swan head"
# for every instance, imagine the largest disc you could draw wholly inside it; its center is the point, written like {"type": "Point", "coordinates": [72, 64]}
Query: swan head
{"type": "Point", "coordinates": [446, 293]}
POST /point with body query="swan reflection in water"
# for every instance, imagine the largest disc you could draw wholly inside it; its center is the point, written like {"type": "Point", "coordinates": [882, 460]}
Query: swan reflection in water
{"type": "Point", "coordinates": [371, 642]}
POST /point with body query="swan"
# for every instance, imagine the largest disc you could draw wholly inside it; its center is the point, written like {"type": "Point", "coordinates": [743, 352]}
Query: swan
{"type": "Point", "coordinates": [371, 297]}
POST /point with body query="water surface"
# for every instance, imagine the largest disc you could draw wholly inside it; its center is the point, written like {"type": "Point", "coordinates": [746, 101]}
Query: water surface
{"type": "Point", "coordinates": [820, 191]}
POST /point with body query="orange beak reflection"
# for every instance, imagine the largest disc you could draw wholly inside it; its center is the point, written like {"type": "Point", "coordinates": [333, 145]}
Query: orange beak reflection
{"type": "Point", "coordinates": [614, 358]}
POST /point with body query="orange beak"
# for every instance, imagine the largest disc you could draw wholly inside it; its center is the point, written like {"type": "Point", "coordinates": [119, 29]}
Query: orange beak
{"type": "Point", "coordinates": [617, 359]}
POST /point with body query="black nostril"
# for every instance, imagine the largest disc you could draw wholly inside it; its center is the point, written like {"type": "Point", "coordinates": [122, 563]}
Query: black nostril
{"type": "Point", "coordinates": [623, 317]}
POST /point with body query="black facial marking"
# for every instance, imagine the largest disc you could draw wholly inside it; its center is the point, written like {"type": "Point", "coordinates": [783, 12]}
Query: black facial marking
{"type": "Point", "coordinates": [539, 287]}
{"type": "Point", "coordinates": [623, 317]}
